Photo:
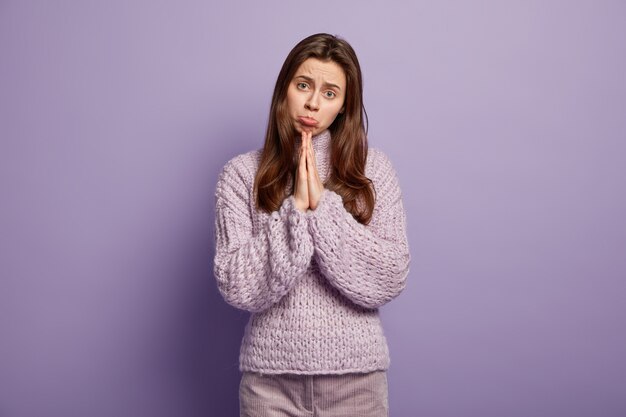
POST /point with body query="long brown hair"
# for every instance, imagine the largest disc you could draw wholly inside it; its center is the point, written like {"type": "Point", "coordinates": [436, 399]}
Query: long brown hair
{"type": "Point", "coordinates": [348, 150]}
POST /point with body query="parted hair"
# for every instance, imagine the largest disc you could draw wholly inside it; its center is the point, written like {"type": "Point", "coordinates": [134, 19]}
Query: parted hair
{"type": "Point", "coordinates": [348, 149]}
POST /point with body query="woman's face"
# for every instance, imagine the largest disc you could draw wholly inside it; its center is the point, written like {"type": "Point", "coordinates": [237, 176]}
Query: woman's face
{"type": "Point", "coordinates": [316, 95]}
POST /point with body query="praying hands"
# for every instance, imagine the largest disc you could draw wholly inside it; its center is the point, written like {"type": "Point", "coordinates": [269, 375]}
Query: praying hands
{"type": "Point", "coordinates": [309, 187]}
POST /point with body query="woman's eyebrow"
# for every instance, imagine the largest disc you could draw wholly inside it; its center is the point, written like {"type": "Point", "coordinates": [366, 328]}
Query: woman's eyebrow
{"type": "Point", "coordinates": [309, 79]}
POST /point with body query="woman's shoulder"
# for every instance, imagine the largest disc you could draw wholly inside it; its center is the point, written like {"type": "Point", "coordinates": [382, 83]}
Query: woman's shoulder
{"type": "Point", "coordinates": [240, 170]}
{"type": "Point", "coordinates": [378, 166]}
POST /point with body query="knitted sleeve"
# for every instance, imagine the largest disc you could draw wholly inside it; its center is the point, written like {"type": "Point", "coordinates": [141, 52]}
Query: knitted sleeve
{"type": "Point", "coordinates": [255, 271]}
{"type": "Point", "coordinates": [369, 264]}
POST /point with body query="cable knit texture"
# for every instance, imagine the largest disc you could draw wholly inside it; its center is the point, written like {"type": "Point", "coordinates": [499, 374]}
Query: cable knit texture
{"type": "Point", "coordinates": [313, 281]}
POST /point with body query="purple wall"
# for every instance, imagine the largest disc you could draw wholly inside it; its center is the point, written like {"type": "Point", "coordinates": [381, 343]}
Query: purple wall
{"type": "Point", "coordinates": [506, 124]}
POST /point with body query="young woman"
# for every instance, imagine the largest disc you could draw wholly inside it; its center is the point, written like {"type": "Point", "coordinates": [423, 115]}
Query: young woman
{"type": "Point", "coordinates": [311, 239]}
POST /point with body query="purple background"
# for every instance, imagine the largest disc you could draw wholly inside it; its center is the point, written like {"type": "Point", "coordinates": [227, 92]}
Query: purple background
{"type": "Point", "coordinates": [505, 121]}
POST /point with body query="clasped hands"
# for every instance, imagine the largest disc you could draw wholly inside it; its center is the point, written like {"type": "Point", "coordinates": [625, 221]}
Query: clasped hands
{"type": "Point", "coordinates": [308, 185]}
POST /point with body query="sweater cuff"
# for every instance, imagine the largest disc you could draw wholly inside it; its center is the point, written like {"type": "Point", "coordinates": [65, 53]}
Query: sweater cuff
{"type": "Point", "coordinates": [294, 222]}
{"type": "Point", "coordinates": [328, 200]}
{"type": "Point", "coordinates": [290, 212]}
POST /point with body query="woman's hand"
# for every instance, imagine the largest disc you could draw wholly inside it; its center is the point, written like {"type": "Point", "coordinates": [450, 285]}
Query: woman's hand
{"type": "Point", "coordinates": [300, 192]}
{"type": "Point", "coordinates": [309, 186]}
{"type": "Point", "coordinates": [315, 185]}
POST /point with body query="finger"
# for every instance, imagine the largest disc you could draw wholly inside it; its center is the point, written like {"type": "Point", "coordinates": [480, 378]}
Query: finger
{"type": "Point", "coordinates": [313, 175]}
{"type": "Point", "coordinates": [313, 153]}
{"type": "Point", "coordinates": [303, 158]}
{"type": "Point", "coordinates": [304, 142]}
{"type": "Point", "coordinates": [312, 185]}
{"type": "Point", "coordinates": [301, 188]}
{"type": "Point", "coordinates": [303, 147]}
{"type": "Point", "coordinates": [310, 168]}
{"type": "Point", "coordinates": [302, 161]}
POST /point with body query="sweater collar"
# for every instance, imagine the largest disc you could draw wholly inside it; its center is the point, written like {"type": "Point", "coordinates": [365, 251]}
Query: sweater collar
{"type": "Point", "coordinates": [322, 146]}
{"type": "Point", "coordinates": [321, 143]}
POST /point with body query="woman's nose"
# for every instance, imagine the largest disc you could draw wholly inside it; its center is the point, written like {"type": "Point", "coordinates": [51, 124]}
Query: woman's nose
{"type": "Point", "coordinates": [312, 102]}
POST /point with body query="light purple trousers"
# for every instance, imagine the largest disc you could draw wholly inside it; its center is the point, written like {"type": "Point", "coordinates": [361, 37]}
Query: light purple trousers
{"type": "Point", "coordinates": [291, 395]}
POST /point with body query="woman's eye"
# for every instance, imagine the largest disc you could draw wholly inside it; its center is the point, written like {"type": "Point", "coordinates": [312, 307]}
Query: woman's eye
{"type": "Point", "coordinates": [299, 84]}
{"type": "Point", "coordinates": [332, 94]}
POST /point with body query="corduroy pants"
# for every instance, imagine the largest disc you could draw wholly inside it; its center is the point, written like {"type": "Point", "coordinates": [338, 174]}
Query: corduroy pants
{"type": "Point", "coordinates": [292, 395]}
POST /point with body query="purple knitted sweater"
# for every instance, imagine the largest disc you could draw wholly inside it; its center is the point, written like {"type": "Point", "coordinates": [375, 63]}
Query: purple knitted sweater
{"type": "Point", "coordinates": [312, 281]}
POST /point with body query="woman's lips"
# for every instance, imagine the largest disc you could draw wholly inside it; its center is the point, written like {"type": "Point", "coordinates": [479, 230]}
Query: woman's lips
{"type": "Point", "coordinates": [307, 121]}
